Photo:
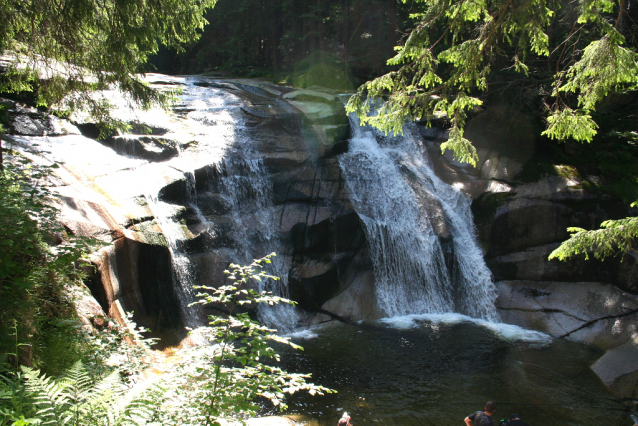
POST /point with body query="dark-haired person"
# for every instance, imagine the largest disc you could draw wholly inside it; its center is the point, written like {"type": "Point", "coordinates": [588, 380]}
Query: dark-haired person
{"type": "Point", "coordinates": [482, 418]}
{"type": "Point", "coordinates": [515, 420]}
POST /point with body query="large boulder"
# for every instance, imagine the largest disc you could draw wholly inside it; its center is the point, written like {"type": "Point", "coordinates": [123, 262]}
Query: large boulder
{"type": "Point", "coordinates": [618, 368]}
{"type": "Point", "coordinates": [518, 229]}
{"type": "Point", "coordinates": [28, 121]}
{"type": "Point", "coordinates": [504, 139]}
{"type": "Point", "coordinates": [597, 314]}
{"type": "Point", "coordinates": [326, 113]}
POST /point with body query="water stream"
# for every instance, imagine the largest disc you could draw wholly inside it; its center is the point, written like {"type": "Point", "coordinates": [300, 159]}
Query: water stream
{"type": "Point", "coordinates": [242, 184]}
{"type": "Point", "coordinates": [245, 188]}
{"type": "Point", "coordinates": [183, 281]}
{"type": "Point", "coordinates": [407, 211]}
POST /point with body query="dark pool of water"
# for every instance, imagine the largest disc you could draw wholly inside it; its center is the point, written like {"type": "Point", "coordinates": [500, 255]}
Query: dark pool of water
{"type": "Point", "coordinates": [438, 374]}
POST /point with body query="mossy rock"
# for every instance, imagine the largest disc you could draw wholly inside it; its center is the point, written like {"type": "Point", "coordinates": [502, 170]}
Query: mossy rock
{"type": "Point", "coordinates": [484, 207]}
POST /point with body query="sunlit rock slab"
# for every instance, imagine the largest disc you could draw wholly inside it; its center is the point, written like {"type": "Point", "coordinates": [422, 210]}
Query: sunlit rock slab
{"type": "Point", "coordinates": [598, 314]}
{"type": "Point", "coordinates": [618, 368]}
{"type": "Point", "coordinates": [83, 159]}
{"type": "Point", "coordinates": [99, 190]}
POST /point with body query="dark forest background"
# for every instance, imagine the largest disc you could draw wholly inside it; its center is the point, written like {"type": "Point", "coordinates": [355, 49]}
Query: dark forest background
{"type": "Point", "coordinates": [333, 43]}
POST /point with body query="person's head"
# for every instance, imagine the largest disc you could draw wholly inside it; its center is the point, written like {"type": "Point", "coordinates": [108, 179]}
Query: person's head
{"type": "Point", "coordinates": [344, 420]}
{"type": "Point", "coordinates": [490, 407]}
{"type": "Point", "coordinates": [515, 417]}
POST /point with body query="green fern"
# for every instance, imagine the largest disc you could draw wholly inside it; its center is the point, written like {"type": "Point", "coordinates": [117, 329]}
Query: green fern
{"type": "Point", "coordinates": [50, 397]}
{"type": "Point", "coordinates": [15, 403]}
{"type": "Point", "coordinates": [76, 400]}
{"type": "Point", "coordinates": [79, 383]}
{"type": "Point", "coordinates": [99, 404]}
{"type": "Point", "coordinates": [141, 405]}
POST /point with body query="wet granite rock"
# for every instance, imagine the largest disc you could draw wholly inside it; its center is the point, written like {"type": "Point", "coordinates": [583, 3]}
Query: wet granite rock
{"type": "Point", "coordinates": [151, 148]}
{"type": "Point", "coordinates": [597, 314]}
{"type": "Point", "coordinates": [27, 121]}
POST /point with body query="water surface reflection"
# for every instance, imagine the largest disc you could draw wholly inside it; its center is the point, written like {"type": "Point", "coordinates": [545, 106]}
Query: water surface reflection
{"type": "Point", "coordinates": [438, 373]}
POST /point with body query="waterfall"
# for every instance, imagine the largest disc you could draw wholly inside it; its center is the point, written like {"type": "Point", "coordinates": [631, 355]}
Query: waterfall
{"type": "Point", "coordinates": [241, 181]}
{"type": "Point", "coordinates": [409, 217]}
{"type": "Point", "coordinates": [183, 281]}
{"type": "Point", "coordinates": [243, 184]}
{"type": "Point", "coordinates": [213, 123]}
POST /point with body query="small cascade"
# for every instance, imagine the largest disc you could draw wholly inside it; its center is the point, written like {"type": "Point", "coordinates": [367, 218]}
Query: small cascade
{"type": "Point", "coordinates": [420, 230]}
{"type": "Point", "coordinates": [240, 179]}
{"type": "Point", "coordinates": [243, 184]}
{"type": "Point", "coordinates": [183, 281]}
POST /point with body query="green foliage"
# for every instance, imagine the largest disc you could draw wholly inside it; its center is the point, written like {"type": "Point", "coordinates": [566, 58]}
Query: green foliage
{"type": "Point", "coordinates": [16, 403]}
{"type": "Point", "coordinates": [64, 50]}
{"type": "Point", "coordinates": [32, 272]}
{"type": "Point", "coordinates": [225, 379]}
{"type": "Point", "coordinates": [77, 399]}
{"type": "Point", "coordinates": [463, 149]}
{"type": "Point", "coordinates": [3, 118]}
{"type": "Point", "coordinates": [566, 123]}
{"type": "Point", "coordinates": [450, 53]}
{"type": "Point", "coordinates": [89, 392]}
{"type": "Point", "coordinates": [614, 237]}
{"type": "Point", "coordinates": [604, 67]}
{"type": "Point", "coordinates": [322, 69]}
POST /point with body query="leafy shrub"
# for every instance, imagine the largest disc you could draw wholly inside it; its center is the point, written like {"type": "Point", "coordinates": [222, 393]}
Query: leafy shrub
{"type": "Point", "coordinates": [37, 259]}
{"type": "Point", "coordinates": [228, 377]}
{"type": "Point", "coordinates": [100, 391]}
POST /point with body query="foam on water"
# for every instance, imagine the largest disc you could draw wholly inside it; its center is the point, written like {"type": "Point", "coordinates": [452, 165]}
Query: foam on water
{"type": "Point", "coordinates": [506, 332]}
{"type": "Point", "coordinates": [302, 334]}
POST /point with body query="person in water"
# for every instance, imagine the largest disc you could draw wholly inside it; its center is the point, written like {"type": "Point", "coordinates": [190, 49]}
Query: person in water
{"type": "Point", "coordinates": [515, 420]}
{"type": "Point", "coordinates": [482, 418]}
{"type": "Point", "coordinates": [344, 420]}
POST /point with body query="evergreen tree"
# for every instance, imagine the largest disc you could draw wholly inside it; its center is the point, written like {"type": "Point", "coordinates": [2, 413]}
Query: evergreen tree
{"type": "Point", "coordinates": [65, 49]}
{"type": "Point", "coordinates": [286, 38]}
{"type": "Point", "coordinates": [445, 63]}
{"type": "Point", "coordinates": [444, 66]}
{"type": "Point", "coordinates": [614, 237]}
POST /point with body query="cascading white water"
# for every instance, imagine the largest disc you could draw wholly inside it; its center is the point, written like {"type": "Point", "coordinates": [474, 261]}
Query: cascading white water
{"type": "Point", "coordinates": [212, 119]}
{"type": "Point", "coordinates": [403, 206]}
{"type": "Point", "coordinates": [182, 273]}
{"type": "Point", "coordinates": [245, 186]}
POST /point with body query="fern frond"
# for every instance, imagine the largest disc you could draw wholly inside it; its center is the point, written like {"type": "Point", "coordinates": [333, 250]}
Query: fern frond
{"type": "Point", "coordinates": [140, 407]}
{"type": "Point", "coordinates": [80, 385]}
{"type": "Point", "coordinates": [50, 397]}
{"type": "Point", "coordinates": [98, 403]}
{"type": "Point", "coordinates": [79, 378]}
